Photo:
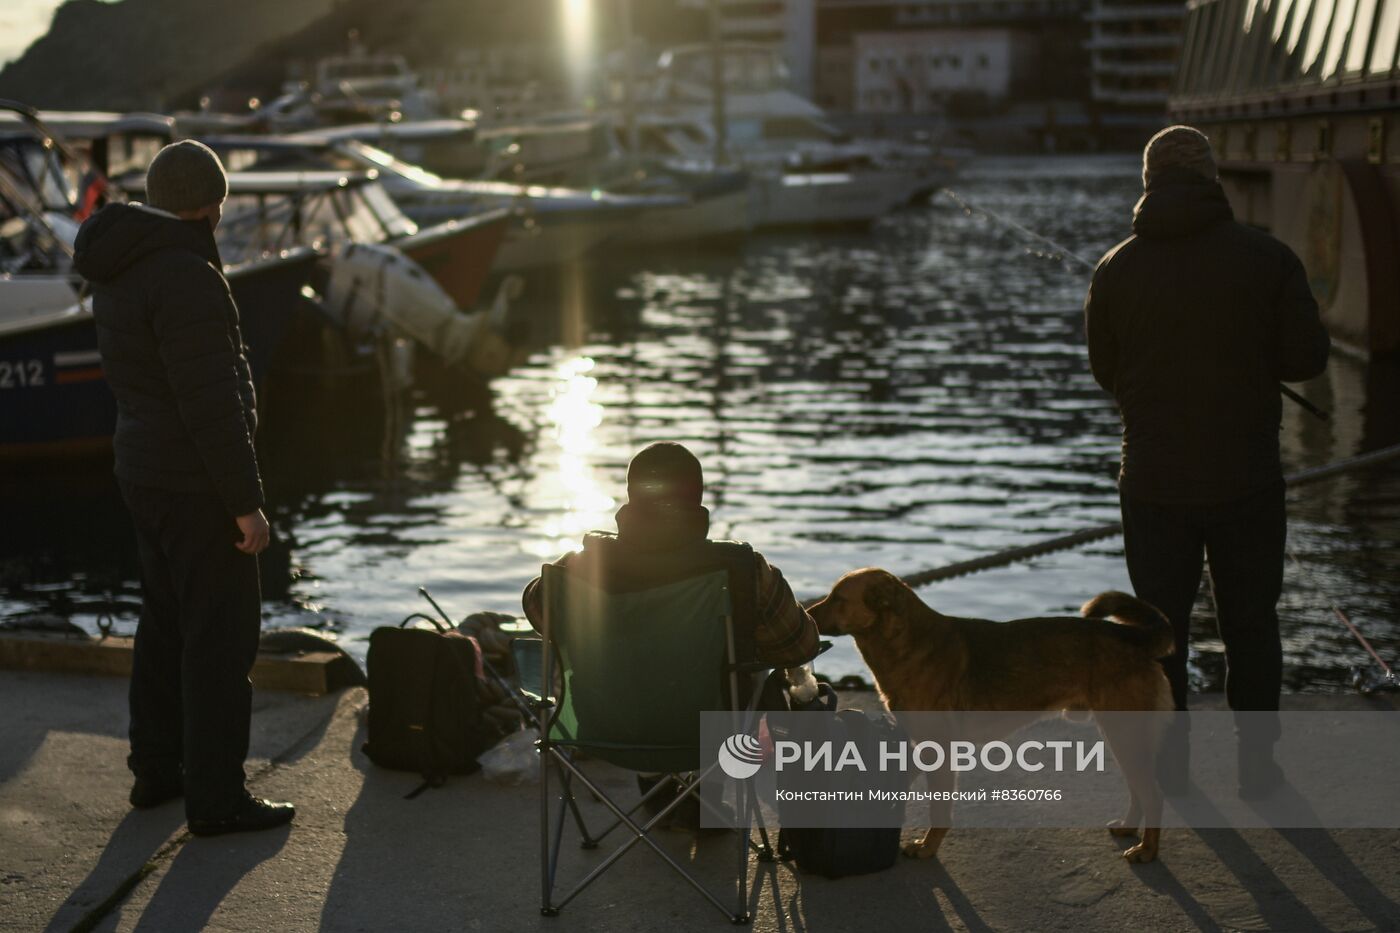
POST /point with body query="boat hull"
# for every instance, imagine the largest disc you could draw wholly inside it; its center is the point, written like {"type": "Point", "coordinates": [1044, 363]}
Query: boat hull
{"type": "Point", "coordinates": [459, 253]}
{"type": "Point", "coordinates": [715, 217]}
{"type": "Point", "coordinates": [54, 400]}
{"type": "Point", "coordinates": [551, 241]}
{"type": "Point", "coordinates": [828, 199]}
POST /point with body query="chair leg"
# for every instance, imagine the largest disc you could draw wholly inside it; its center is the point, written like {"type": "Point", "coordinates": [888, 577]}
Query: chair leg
{"type": "Point", "coordinates": [588, 841]}
{"type": "Point", "coordinates": [547, 907]}
{"type": "Point", "coordinates": [765, 851]}
{"type": "Point", "coordinates": [640, 834]}
{"type": "Point", "coordinates": [741, 910]}
{"type": "Point", "coordinates": [654, 791]}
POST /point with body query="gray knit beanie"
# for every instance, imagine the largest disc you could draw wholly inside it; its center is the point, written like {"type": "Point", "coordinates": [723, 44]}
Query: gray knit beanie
{"type": "Point", "coordinates": [185, 176]}
{"type": "Point", "coordinates": [1181, 147]}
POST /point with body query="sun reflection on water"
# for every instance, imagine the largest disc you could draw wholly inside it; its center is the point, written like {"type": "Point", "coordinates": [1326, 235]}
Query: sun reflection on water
{"type": "Point", "coordinates": [572, 493]}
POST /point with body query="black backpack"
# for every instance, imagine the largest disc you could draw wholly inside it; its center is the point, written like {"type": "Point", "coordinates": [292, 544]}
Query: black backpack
{"type": "Point", "coordinates": [836, 853]}
{"type": "Point", "coordinates": [425, 703]}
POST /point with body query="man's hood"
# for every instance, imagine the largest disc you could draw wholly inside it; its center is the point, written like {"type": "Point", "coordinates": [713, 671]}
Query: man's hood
{"type": "Point", "coordinates": [120, 235]}
{"type": "Point", "coordinates": [1180, 202]}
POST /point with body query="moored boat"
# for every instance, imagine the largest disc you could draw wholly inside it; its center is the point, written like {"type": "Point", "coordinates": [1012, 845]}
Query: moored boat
{"type": "Point", "coordinates": [56, 400]}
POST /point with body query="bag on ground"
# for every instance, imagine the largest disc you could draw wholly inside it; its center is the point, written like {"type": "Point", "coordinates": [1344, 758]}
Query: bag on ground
{"type": "Point", "coordinates": [837, 853]}
{"type": "Point", "coordinates": [426, 703]}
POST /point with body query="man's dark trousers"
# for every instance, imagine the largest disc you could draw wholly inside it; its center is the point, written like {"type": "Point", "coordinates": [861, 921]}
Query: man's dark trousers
{"type": "Point", "coordinates": [195, 645]}
{"type": "Point", "coordinates": [1244, 542]}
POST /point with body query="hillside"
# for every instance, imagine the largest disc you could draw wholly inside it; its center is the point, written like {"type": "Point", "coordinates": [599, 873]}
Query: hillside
{"type": "Point", "coordinates": [138, 54]}
{"type": "Point", "coordinates": [162, 54]}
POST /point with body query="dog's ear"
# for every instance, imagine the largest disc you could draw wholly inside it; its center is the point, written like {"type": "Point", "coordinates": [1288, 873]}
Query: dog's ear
{"type": "Point", "coordinates": [884, 594]}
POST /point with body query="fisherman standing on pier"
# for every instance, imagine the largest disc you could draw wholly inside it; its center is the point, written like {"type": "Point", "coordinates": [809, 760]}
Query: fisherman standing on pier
{"type": "Point", "coordinates": [1192, 322]}
{"type": "Point", "coordinates": [167, 329]}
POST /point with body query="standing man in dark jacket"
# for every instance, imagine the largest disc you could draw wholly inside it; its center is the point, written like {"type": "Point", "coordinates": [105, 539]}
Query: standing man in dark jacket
{"type": "Point", "coordinates": [1192, 322]}
{"type": "Point", "coordinates": [167, 329]}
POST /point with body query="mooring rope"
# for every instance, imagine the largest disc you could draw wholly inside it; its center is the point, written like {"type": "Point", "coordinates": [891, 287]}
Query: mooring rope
{"type": "Point", "coordinates": [1090, 535]}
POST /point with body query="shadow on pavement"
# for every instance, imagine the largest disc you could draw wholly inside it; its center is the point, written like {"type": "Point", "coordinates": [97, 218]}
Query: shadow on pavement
{"type": "Point", "coordinates": [201, 876]}
{"type": "Point", "coordinates": [134, 842]}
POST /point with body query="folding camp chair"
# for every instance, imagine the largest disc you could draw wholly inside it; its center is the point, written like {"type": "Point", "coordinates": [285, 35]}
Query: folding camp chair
{"type": "Point", "coordinates": [631, 673]}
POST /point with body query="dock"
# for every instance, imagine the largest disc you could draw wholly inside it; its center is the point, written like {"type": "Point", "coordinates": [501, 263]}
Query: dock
{"type": "Point", "coordinates": [464, 857]}
{"type": "Point", "coordinates": [306, 672]}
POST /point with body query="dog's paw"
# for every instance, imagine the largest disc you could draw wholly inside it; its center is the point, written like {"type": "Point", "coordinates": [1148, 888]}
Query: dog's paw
{"type": "Point", "coordinates": [1141, 854]}
{"type": "Point", "coordinates": [1120, 828]}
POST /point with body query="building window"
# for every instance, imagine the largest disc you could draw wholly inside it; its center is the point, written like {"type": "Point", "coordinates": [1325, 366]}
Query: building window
{"type": "Point", "coordinates": [983, 61]}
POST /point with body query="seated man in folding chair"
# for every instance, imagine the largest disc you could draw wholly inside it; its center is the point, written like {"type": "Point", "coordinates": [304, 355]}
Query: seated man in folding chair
{"type": "Point", "coordinates": [662, 536]}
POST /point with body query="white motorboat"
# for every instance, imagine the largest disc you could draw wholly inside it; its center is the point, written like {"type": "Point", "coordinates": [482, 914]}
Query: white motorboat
{"type": "Point", "coordinates": [805, 172]}
{"type": "Point", "coordinates": [562, 160]}
{"type": "Point", "coordinates": [549, 224]}
{"type": "Point", "coordinates": [382, 273]}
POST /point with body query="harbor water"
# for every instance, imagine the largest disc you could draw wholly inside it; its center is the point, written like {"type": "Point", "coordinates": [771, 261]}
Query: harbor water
{"type": "Point", "coordinates": [902, 397]}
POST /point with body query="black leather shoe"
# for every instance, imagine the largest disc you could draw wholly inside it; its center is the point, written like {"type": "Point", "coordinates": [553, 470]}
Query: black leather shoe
{"type": "Point", "coordinates": [154, 790]}
{"type": "Point", "coordinates": [254, 814]}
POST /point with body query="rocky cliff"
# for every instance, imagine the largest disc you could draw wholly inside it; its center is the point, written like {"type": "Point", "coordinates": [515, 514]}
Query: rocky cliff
{"type": "Point", "coordinates": [162, 54]}
{"type": "Point", "coordinates": [140, 54]}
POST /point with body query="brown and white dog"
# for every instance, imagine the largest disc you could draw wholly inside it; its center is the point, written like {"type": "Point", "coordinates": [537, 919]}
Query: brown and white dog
{"type": "Point", "coordinates": [1104, 661]}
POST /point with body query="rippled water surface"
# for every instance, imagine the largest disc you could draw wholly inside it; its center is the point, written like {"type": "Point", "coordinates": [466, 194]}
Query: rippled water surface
{"type": "Point", "coordinates": [906, 397]}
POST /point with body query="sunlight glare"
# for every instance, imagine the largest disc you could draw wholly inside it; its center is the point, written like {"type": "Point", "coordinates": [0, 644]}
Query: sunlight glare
{"type": "Point", "coordinates": [573, 417]}
{"type": "Point", "coordinates": [578, 42]}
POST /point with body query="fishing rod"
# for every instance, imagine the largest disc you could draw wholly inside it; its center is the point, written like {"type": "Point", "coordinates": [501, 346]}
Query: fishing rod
{"type": "Point", "coordinates": [1063, 252]}
{"type": "Point", "coordinates": [1387, 682]}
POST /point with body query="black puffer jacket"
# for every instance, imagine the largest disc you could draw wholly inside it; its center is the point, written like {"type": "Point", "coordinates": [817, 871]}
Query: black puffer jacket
{"type": "Point", "coordinates": [1192, 323]}
{"type": "Point", "coordinates": [167, 328]}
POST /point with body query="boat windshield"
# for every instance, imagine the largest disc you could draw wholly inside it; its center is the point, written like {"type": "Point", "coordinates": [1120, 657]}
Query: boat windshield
{"type": "Point", "coordinates": [38, 174]}
{"type": "Point", "coordinates": [258, 224]}
{"type": "Point", "coordinates": [27, 244]}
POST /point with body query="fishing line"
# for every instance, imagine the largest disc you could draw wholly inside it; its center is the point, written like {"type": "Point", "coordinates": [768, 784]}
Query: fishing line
{"type": "Point", "coordinates": [1063, 252]}
{"type": "Point", "coordinates": [1388, 682]}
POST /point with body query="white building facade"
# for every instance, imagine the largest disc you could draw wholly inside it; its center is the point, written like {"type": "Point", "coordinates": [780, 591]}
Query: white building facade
{"type": "Point", "coordinates": [921, 71]}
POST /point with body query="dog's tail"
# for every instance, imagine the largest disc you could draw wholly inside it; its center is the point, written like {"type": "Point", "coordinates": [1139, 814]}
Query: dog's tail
{"type": "Point", "coordinates": [1134, 613]}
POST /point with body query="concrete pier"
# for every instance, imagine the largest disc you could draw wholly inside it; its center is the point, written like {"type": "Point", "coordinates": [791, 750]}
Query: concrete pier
{"type": "Point", "coordinates": [465, 857]}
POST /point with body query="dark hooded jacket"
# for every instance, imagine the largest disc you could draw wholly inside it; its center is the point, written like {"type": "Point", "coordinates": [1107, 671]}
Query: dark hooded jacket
{"type": "Point", "coordinates": [1192, 322]}
{"type": "Point", "coordinates": [662, 543]}
{"type": "Point", "coordinates": [167, 329]}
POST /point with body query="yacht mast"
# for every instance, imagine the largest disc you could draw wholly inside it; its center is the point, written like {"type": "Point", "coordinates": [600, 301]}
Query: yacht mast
{"type": "Point", "coordinates": [629, 100]}
{"type": "Point", "coordinates": [717, 83]}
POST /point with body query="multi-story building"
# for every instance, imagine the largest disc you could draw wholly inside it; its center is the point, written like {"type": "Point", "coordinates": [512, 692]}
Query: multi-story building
{"type": "Point", "coordinates": [786, 25]}
{"type": "Point", "coordinates": [1030, 49]}
{"type": "Point", "coordinates": [927, 70]}
{"type": "Point", "coordinates": [1133, 49]}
